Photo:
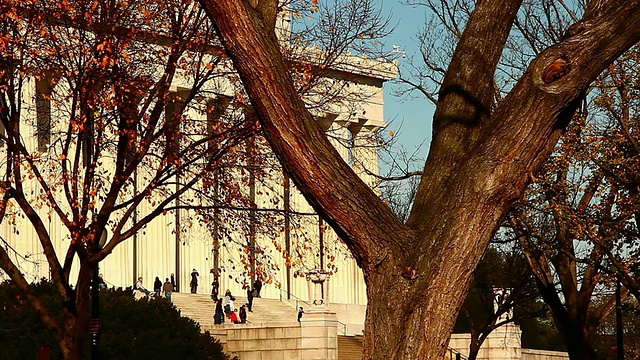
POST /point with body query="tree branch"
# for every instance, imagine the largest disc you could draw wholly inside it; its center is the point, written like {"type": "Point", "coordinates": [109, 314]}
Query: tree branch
{"type": "Point", "coordinates": [311, 161]}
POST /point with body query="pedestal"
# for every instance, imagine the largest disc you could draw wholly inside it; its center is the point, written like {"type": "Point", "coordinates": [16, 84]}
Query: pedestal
{"type": "Point", "coordinates": [319, 334]}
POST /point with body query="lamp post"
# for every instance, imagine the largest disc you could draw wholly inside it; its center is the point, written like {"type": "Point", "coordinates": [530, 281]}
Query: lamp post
{"type": "Point", "coordinates": [614, 271]}
{"type": "Point", "coordinates": [619, 329]}
{"type": "Point", "coordinates": [317, 278]}
{"type": "Point", "coordinates": [94, 323]}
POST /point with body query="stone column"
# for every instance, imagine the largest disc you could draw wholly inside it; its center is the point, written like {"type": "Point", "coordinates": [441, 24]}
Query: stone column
{"type": "Point", "coordinates": [326, 292]}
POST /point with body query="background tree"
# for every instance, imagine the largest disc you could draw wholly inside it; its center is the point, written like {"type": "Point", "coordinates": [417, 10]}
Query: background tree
{"type": "Point", "coordinates": [502, 268]}
{"type": "Point", "coordinates": [613, 143]}
{"type": "Point", "coordinates": [578, 220]}
{"type": "Point", "coordinates": [552, 227]}
{"type": "Point", "coordinates": [605, 338]}
{"type": "Point", "coordinates": [399, 185]}
{"type": "Point", "coordinates": [541, 333]}
{"type": "Point", "coordinates": [115, 114]}
{"type": "Point", "coordinates": [479, 163]}
{"type": "Point", "coordinates": [98, 145]}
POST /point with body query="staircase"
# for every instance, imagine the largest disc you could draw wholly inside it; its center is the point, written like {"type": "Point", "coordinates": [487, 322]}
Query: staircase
{"type": "Point", "coordinates": [272, 331]}
{"type": "Point", "coordinates": [201, 308]}
{"type": "Point", "coordinates": [349, 347]}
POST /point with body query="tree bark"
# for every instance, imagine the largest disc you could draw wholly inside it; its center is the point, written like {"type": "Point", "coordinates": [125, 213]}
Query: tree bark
{"type": "Point", "coordinates": [575, 317]}
{"type": "Point", "coordinates": [417, 274]}
{"type": "Point", "coordinates": [579, 345]}
{"type": "Point", "coordinates": [77, 321]}
{"type": "Point", "coordinates": [572, 325]}
{"type": "Point", "coordinates": [474, 349]}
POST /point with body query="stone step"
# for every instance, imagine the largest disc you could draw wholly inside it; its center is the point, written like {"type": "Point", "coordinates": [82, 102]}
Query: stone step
{"type": "Point", "coordinates": [349, 348]}
{"type": "Point", "coordinates": [201, 309]}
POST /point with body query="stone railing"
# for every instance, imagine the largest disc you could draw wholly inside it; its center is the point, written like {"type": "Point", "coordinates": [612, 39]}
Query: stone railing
{"type": "Point", "coordinates": [535, 354]}
{"type": "Point", "coordinates": [313, 338]}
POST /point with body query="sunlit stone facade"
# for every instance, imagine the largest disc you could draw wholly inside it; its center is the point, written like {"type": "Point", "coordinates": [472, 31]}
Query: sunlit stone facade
{"type": "Point", "coordinates": [176, 243]}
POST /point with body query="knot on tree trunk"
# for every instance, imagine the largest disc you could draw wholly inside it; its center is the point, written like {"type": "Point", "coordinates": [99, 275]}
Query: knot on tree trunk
{"type": "Point", "coordinates": [559, 68]}
{"type": "Point", "coordinates": [549, 73]}
{"type": "Point", "coordinates": [410, 273]}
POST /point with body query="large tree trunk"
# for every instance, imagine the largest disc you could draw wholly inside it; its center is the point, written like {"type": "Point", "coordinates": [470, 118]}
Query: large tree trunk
{"type": "Point", "coordinates": [406, 317]}
{"type": "Point", "coordinates": [573, 320]}
{"type": "Point", "coordinates": [417, 274]}
{"type": "Point", "coordinates": [579, 344]}
{"type": "Point", "coordinates": [576, 334]}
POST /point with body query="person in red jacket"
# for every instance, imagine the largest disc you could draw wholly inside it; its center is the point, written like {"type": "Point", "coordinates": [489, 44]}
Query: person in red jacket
{"type": "Point", "coordinates": [234, 317]}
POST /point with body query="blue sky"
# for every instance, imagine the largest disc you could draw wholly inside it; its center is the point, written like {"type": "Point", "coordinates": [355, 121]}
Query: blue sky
{"type": "Point", "coordinates": [409, 118]}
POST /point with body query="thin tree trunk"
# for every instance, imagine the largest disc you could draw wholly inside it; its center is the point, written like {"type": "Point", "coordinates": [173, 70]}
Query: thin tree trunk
{"type": "Point", "coordinates": [474, 348]}
{"type": "Point", "coordinates": [77, 315]}
{"type": "Point", "coordinates": [571, 321]}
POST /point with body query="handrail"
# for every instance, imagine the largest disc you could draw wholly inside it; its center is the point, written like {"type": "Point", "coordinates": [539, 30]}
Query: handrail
{"type": "Point", "coordinates": [299, 300]}
{"type": "Point", "coordinates": [296, 298]}
{"type": "Point", "coordinates": [344, 327]}
{"type": "Point", "coordinates": [458, 355]}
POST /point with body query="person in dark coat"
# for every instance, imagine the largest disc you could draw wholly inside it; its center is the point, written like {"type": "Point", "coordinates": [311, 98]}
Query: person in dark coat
{"type": "Point", "coordinates": [173, 282]}
{"type": "Point", "coordinates": [157, 287]}
{"type": "Point", "coordinates": [243, 314]}
{"type": "Point", "coordinates": [258, 286]}
{"type": "Point", "coordinates": [300, 312]}
{"type": "Point", "coordinates": [215, 286]}
{"type": "Point", "coordinates": [218, 317]}
{"type": "Point", "coordinates": [250, 299]}
{"type": "Point", "coordinates": [194, 281]}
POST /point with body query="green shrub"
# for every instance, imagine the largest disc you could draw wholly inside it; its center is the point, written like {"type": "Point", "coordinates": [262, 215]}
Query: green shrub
{"type": "Point", "coordinates": [130, 330]}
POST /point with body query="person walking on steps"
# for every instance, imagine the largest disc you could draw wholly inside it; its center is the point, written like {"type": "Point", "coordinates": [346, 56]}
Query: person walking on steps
{"type": "Point", "coordinates": [101, 283]}
{"type": "Point", "coordinates": [215, 286]}
{"type": "Point", "coordinates": [250, 298]}
{"type": "Point", "coordinates": [157, 287]}
{"type": "Point", "coordinates": [194, 281]}
{"type": "Point", "coordinates": [228, 302]}
{"type": "Point", "coordinates": [218, 317]}
{"type": "Point", "coordinates": [167, 288]}
{"type": "Point", "coordinates": [243, 314]}
{"type": "Point", "coordinates": [234, 317]}
{"type": "Point", "coordinates": [258, 286]}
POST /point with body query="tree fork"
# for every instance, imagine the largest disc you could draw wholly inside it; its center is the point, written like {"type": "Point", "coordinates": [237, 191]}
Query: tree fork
{"type": "Point", "coordinates": [468, 186]}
